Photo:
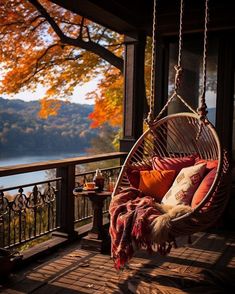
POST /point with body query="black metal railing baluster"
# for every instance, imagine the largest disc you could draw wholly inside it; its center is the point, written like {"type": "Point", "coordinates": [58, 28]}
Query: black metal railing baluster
{"type": "Point", "coordinates": [21, 207]}
{"type": "Point", "coordinates": [84, 207]}
{"type": "Point", "coordinates": [9, 227]}
{"type": "Point", "coordinates": [14, 227]}
{"type": "Point", "coordinates": [2, 242]}
{"type": "Point", "coordinates": [24, 226]}
{"type": "Point", "coordinates": [35, 191]}
{"type": "Point", "coordinates": [50, 219]}
{"type": "Point", "coordinates": [29, 223]}
{"type": "Point", "coordinates": [25, 218]}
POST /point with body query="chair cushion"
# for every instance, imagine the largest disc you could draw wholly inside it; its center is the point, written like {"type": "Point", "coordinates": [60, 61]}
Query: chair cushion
{"type": "Point", "coordinates": [203, 188]}
{"type": "Point", "coordinates": [156, 183]}
{"type": "Point", "coordinates": [167, 163]}
{"type": "Point", "coordinates": [133, 174]}
{"type": "Point", "coordinates": [133, 177]}
{"type": "Point", "coordinates": [185, 185]}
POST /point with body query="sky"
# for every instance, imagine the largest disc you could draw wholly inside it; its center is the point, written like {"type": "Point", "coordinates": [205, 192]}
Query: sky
{"type": "Point", "coordinates": [78, 96]}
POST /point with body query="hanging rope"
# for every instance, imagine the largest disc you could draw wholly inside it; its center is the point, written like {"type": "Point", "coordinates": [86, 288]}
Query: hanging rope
{"type": "Point", "coordinates": [178, 67]}
{"type": "Point", "coordinates": [150, 117]}
{"type": "Point", "coordinates": [202, 109]}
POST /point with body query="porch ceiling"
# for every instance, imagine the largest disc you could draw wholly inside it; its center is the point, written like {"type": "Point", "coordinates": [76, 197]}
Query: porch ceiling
{"type": "Point", "coordinates": [118, 15]}
{"type": "Point", "coordinates": [125, 17]}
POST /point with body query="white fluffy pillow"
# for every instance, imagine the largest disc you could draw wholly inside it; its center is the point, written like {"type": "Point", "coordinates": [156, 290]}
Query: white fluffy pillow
{"type": "Point", "coordinates": [185, 184]}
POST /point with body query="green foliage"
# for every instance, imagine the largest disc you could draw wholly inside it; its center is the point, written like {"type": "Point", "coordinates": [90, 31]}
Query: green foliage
{"type": "Point", "coordinates": [22, 131]}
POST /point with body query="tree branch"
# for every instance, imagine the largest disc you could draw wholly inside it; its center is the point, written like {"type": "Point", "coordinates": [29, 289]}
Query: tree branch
{"type": "Point", "coordinates": [81, 28]}
{"type": "Point", "coordinates": [89, 46]}
{"type": "Point", "coordinates": [34, 27]}
{"type": "Point", "coordinates": [88, 34]}
{"type": "Point", "coordinates": [101, 35]}
{"type": "Point", "coordinates": [45, 52]}
{"type": "Point", "coordinates": [46, 66]}
{"type": "Point", "coordinates": [40, 66]}
{"type": "Point", "coordinates": [13, 23]}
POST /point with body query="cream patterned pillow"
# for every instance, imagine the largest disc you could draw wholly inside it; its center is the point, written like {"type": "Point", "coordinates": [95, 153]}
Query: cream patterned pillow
{"type": "Point", "coordinates": [185, 184]}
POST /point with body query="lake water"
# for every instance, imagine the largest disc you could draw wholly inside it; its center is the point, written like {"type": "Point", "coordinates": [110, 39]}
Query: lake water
{"type": "Point", "coordinates": [27, 178]}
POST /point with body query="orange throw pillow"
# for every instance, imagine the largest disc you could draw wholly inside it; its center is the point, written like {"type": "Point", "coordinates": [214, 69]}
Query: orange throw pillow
{"type": "Point", "coordinates": [156, 183]}
{"type": "Point", "coordinates": [203, 188]}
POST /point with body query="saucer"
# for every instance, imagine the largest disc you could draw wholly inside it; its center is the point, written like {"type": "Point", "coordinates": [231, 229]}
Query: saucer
{"type": "Point", "coordinates": [77, 190]}
{"type": "Point", "coordinates": [91, 189]}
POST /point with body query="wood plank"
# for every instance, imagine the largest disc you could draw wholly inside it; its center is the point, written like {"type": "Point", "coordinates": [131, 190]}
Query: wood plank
{"type": "Point", "coordinates": [205, 265]}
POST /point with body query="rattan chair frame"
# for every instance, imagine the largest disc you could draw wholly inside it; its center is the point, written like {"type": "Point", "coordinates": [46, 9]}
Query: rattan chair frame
{"type": "Point", "coordinates": [176, 136]}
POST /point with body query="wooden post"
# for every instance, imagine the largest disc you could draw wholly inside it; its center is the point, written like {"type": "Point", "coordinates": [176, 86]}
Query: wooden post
{"type": "Point", "coordinates": [65, 200]}
{"type": "Point", "coordinates": [134, 90]}
{"type": "Point", "coordinates": [161, 74]}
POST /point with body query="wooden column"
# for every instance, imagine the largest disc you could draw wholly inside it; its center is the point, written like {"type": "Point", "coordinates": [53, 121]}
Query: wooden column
{"type": "Point", "coordinates": [161, 74]}
{"type": "Point", "coordinates": [65, 201]}
{"type": "Point", "coordinates": [225, 91]}
{"type": "Point", "coordinates": [134, 90]}
{"type": "Point", "coordinates": [225, 112]}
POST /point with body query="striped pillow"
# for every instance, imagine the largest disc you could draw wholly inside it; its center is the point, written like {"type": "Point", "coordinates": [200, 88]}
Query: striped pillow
{"type": "Point", "coordinates": [177, 163]}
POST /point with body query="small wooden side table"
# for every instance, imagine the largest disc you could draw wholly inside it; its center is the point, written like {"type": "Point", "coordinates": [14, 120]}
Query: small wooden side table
{"type": "Point", "coordinates": [97, 239]}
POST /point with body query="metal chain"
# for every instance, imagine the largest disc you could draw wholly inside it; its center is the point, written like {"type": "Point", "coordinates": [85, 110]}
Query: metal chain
{"type": "Point", "coordinates": [150, 116]}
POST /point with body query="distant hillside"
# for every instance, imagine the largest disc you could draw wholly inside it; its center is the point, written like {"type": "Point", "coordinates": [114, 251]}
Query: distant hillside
{"type": "Point", "coordinates": [22, 131]}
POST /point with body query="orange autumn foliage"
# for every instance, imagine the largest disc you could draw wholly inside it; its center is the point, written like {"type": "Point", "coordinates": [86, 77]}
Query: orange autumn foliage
{"type": "Point", "coordinates": [108, 100]}
{"type": "Point", "coordinates": [37, 55]}
{"type": "Point", "coordinates": [49, 107]}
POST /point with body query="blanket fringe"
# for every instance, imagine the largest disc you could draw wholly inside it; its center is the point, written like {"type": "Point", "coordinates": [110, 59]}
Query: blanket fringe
{"type": "Point", "coordinates": [138, 222]}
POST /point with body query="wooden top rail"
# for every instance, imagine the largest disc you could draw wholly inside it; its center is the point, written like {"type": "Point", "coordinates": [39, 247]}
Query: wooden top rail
{"type": "Point", "coordinates": [37, 166]}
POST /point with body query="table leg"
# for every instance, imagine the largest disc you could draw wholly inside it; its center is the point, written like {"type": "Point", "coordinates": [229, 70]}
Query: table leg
{"type": "Point", "coordinates": [97, 224]}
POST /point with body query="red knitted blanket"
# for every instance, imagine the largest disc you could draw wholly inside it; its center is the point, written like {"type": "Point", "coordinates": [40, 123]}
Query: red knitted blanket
{"type": "Point", "coordinates": [131, 216]}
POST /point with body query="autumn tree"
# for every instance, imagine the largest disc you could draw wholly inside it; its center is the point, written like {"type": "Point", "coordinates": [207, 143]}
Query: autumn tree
{"type": "Point", "coordinates": [44, 44]}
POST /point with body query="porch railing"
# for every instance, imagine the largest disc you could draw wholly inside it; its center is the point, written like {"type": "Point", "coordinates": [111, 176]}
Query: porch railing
{"type": "Point", "coordinates": [83, 207]}
{"type": "Point", "coordinates": [33, 211]}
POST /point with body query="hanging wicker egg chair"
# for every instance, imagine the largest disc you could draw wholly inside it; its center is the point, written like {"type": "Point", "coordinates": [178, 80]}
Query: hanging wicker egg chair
{"type": "Point", "coordinates": [180, 135]}
{"type": "Point", "coordinates": [176, 136]}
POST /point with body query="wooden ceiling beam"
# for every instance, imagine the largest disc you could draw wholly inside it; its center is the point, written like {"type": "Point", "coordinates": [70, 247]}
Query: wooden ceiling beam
{"type": "Point", "coordinates": [127, 18]}
{"type": "Point", "coordinates": [111, 14]}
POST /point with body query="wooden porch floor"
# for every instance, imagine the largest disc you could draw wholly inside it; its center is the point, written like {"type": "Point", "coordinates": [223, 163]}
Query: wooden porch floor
{"type": "Point", "coordinates": [205, 266]}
